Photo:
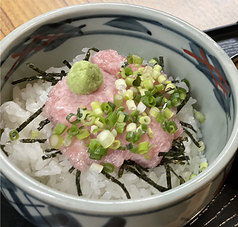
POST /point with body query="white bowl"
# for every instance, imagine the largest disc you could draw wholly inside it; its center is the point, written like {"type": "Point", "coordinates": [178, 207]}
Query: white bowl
{"type": "Point", "coordinates": [61, 34]}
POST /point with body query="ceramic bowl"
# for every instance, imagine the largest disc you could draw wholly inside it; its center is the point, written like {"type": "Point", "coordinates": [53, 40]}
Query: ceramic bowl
{"type": "Point", "coordinates": [61, 34]}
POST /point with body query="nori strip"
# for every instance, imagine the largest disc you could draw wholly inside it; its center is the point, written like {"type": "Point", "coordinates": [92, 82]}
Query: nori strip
{"type": "Point", "coordinates": [179, 177]}
{"type": "Point", "coordinates": [67, 64]}
{"type": "Point", "coordinates": [52, 155]}
{"type": "Point", "coordinates": [50, 150]}
{"type": "Point", "coordinates": [42, 124]}
{"type": "Point", "coordinates": [187, 125]}
{"type": "Point", "coordinates": [33, 140]}
{"type": "Point", "coordinates": [183, 102]}
{"type": "Point", "coordinates": [71, 169]}
{"type": "Point", "coordinates": [2, 147]}
{"type": "Point", "coordinates": [87, 55]}
{"type": "Point", "coordinates": [38, 70]}
{"type": "Point", "coordinates": [77, 181]}
{"type": "Point", "coordinates": [144, 177]}
{"type": "Point", "coordinates": [168, 176]}
{"type": "Point", "coordinates": [31, 118]}
{"type": "Point", "coordinates": [113, 179]}
{"type": "Point", "coordinates": [191, 136]}
{"type": "Point", "coordinates": [25, 79]}
{"type": "Point", "coordinates": [120, 171]}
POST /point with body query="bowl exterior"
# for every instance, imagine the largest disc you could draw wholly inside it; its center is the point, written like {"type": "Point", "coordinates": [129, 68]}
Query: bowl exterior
{"type": "Point", "coordinates": [127, 29]}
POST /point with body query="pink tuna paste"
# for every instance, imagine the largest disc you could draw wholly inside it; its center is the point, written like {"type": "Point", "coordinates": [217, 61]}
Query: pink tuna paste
{"type": "Point", "coordinates": [62, 102]}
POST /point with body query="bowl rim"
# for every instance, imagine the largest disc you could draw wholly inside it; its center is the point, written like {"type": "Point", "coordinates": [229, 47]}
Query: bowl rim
{"type": "Point", "coordinates": [133, 206]}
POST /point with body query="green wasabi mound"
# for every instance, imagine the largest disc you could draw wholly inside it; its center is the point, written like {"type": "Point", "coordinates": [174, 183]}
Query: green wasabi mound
{"type": "Point", "coordinates": [84, 78]}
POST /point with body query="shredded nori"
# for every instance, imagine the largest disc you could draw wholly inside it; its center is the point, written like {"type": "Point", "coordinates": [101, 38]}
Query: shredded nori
{"type": "Point", "coordinates": [31, 118]}
{"type": "Point", "coordinates": [52, 155]}
{"type": "Point", "coordinates": [2, 147]}
{"type": "Point", "coordinates": [54, 78]}
{"type": "Point", "coordinates": [87, 55]}
{"type": "Point", "coordinates": [144, 177]}
{"type": "Point", "coordinates": [50, 150]}
{"type": "Point", "coordinates": [183, 102]}
{"type": "Point", "coordinates": [42, 124]}
{"type": "Point", "coordinates": [121, 171]}
{"type": "Point", "coordinates": [168, 176]}
{"type": "Point", "coordinates": [67, 64]}
{"type": "Point", "coordinates": [33, 140]}
{"type": "Point", "coordinates": [179, 177]}
{"type": "Point", "coordinates": [113, 179]}
{"type": "Point", "coordinates": [187, 125]}
{"type": "Point", "coordinates": [71, 169]}
{"type": "Point", "coordinates": [78, 174]}
{"type": "Point", "coordinates": [191, 137]}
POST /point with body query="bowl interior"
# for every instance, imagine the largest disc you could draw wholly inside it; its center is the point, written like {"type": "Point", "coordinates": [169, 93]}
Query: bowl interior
{"type": "Point", "coordinates": [188, 53]}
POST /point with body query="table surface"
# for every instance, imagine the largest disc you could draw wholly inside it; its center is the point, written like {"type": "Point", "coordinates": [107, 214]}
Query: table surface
{"type": "Point", "coordinates": [204, 15]}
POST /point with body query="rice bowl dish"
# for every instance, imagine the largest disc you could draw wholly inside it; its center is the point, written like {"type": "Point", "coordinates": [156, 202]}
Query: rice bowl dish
{"type": "Point", "coordinates": [36, 179]}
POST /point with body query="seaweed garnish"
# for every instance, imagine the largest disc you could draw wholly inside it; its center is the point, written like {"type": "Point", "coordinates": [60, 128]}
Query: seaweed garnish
{"type": "Point", "coordinates": [30, 119]}
{"type": "Point", "coordinates": [144, 177]}
{"type": "Point", "coordinates": [67, 64]}
{"type": "Point", "coordinates": [52, 155]}
{"type": "Point", "coordinates": [78, 174]}
{"type": "Point", "coordinates": [191, 137]}
{"type": "Point", "coordinates": [179, 177]}
{"type": "Point", "coordinates": [87, 55]}
{"type": "Point", "coordinates": [2, 146]}
{"type": "Point", "coordinates": [71, 169]}
{"type": "Point", "coordinates": [187, 125]}
{"type": "Point", "coordinates": [43, 123]}
{"type": "Point", "coordinates": [184, 102]}
{"type": "Point", "coordinates": [33, 140]}
{"type": "Point", "coordinates": [54, 78]}
{"type": "Point", "coordinates": [168, 176]}
{"type": "Point", "coordinates": [113, 179]}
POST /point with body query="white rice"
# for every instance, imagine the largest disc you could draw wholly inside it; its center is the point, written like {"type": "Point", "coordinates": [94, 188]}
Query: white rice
{"type": "Point", "coordinates": [54, 172]}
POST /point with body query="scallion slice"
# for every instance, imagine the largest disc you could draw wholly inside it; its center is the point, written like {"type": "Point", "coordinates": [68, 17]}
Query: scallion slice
{"type": "Point", "coordinates": [56, 141]}
{"type": "Point", "coordinates": [14, 135]}
{"type": "Point", "coordinates": [108, 167]}
{"type": "Point", "coordinates": [60, 128]}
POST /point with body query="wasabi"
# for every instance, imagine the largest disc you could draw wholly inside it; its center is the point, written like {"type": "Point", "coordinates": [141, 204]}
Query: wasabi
{"type": "Point", "coordinates": [84, 78]}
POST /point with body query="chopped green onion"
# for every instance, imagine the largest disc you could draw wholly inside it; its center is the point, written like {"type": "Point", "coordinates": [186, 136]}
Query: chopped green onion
{"type": "Point", "coordinates": [67, 140]}
{"type": "Point", "coordinates": [130, 136]}
{"type": "Point", "coordinates": [121, 117]}
{"type": "Point", "coordinates": [199, 116]}
{"type": "Point", "coordinates": [34, 134]}
{"type": "Point", "coordinates": [108, 167]}
{"type": "Point", "coordinates": [157, 68]}
{"type": "Point", "coordinates": [96, 107]}
{"type": "Point", "coordinates": [129, 81]}
{"type": "Point", "coordinates": [154, 111]}
{"type": "Point", "coordinates": [73, 130]}
{"type": "Point", "coordinates": [202, 146]}
{"type": "Point", "coordinates": [131, 148]}
{"type": "Point", "coordinates": [106, 138]}
{"type": "Point", "coordinates": [131, 104]}
{"type": "Point", "coordinates": [69, 116]}
{"type": "Point", "coordinates": [137, 81]}
{"type": "Point", "coordinates": [116, 144]}
{"type": "Point", "coordinates": [149, 101]}
{"type": "Point", "coordinates": [137, 98]}
{"type": "Point", "coordinates": [120, 127]}
{"type": "Point", "coordinates": [143, 147]}
{"type": "Point", "coordinates": [168, 113]}
{"type": "Point", "coordinates": [118, 100]}
{"type": "Point", "coordinates": [171, 127]}
{"type": "Point", "coordinates": [141, 107]}
{"type": "Point", "coordinates": [14, 135]}
{"type": "Point", "coordinates": [138, 136]}
{"type": "Point", "coordinates": [95, 156]}
{"type": "Point", "coordinates": [145, 120]}
{"type": "Point", "coordinates": [128, 95]}
{"type": "Point", "coordinates": [83, 133]}
{"type": "Point", "coordinates": [95, 167]}
{"type": "Point", "coordinates": [88, 118]}
{"type": "Point", "coordinates": [148, 83]}
{"type": "Point", "coordinates": [94, 144]}
{"type": "Point", "coordinates": [161, 79]}
{"type": "Point", "coordinates": [203, 166]}
{"type": "Point", "coordinates": [111, 119]}
{"type": "Point", "coordinates": [150, 133]}
{"type": "Point", "coordinates": [131, 127]}
{"type": "Point", "coordinates": [170, 88]}
{"type": "Point", "coordinates": [192, 176]}
{"type": "Point", "coordinates": [56, 141]}
{"type": "Point", "coordinates": [128, 71]}
{"type": "Point", "coordinates": [120, 84]}
{"type": "Point", "coordinates": [60, 128]}
{"type": "Point", "coordinates": [101, 151]}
